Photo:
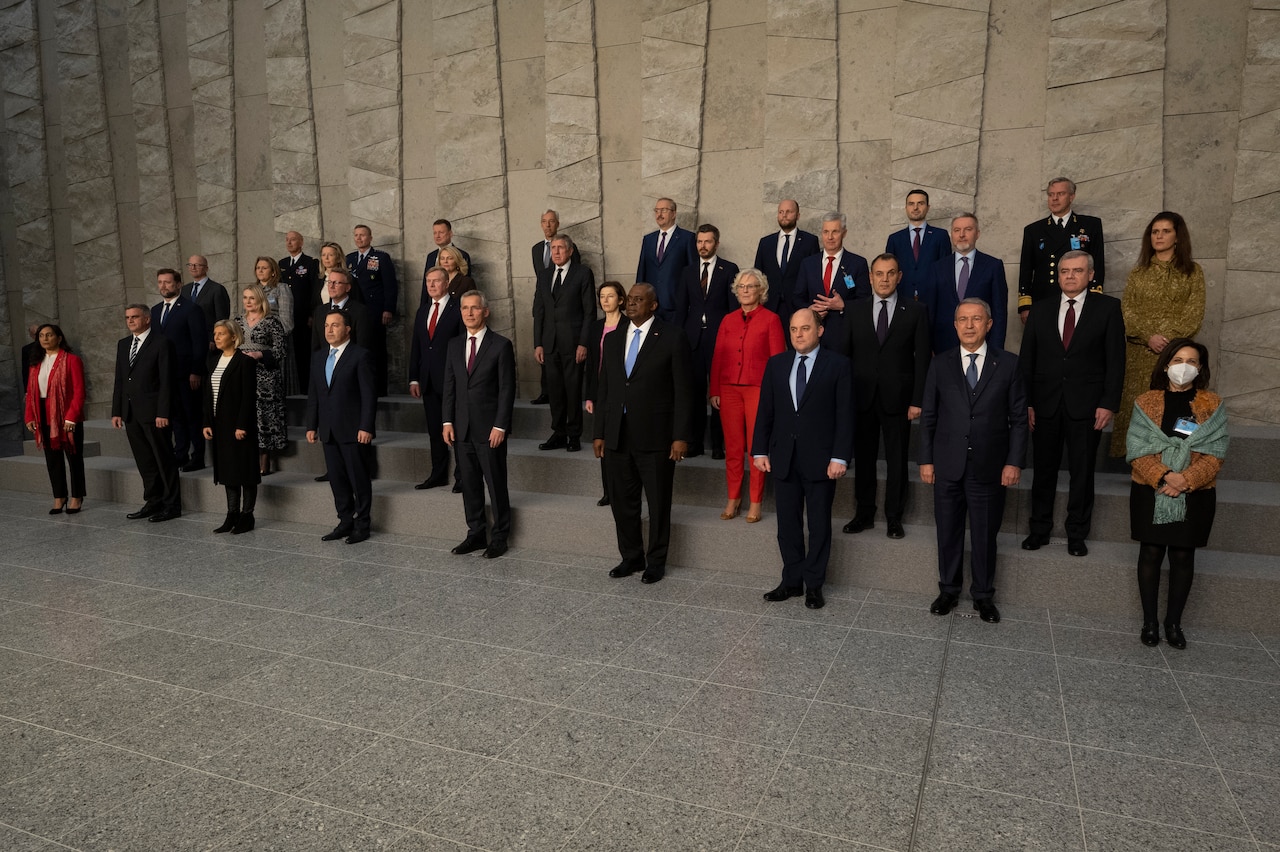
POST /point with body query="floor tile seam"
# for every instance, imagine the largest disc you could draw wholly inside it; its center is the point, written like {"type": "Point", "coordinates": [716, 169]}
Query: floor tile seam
{"type": "Point", "coordinates": [929, 740]}
{"type": "Point", "coordinates": [1187, 763]}
{"type": "Point", "coordinates": [1215, 676]}
{"type": "Point", "coordinates": [1071, 757]}
{"type": "Point", "coordinates": [1116, 631]}
{"type": "Point", "coordinates": [1020, 796]}
{"type": "Point", "coordinates": [39, 837]}
{"type": "Point", "coordinates": [1088, 810]}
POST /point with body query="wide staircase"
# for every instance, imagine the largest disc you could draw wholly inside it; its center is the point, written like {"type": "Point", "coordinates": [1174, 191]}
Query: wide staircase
{"type": "Point", "coordinates": [554, 509]}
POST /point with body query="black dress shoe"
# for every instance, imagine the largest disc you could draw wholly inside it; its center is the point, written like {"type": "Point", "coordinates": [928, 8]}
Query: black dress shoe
{"type": "Point", "coordinates": [428, 483]}
{"type": "Point", "coordinates": [652, 575]}
{"type": "Point", "coordinates": [192, 467]}
{"type": "Point", "coordinates": [338, 532]}
{"type": "Point", "coordinates": [782, 593]}
{"type": "Point", "coordinates": [161, 517]}
{"type": "Point", "coordinates": [555, 442]}
{"type": "Point", "coordinates": [718, 455]}
{"type": "Point", "coordinates": [943, 604]}
{"type": "Point", "coordinates": [573, 445]}
{"type": "Point", "coordinates": [1077, 547]}
{"type": "Point", "coordinates": [457, 488]}
{"type": "Point", "coordinates": [813, 599]}
{"type": "Point", "coordinates": [324, 477]}
{"type": "Point", "coordinates": [540, 399]}
{"type": "Point", "coordinates": [144, 512]}
{"type": "Point", "coordinates": [857, 525]}
{"type": "Point", "coordinates": [623, 570]}
{"type": "Point", "coordinates": [229, 524]}
{"type": "Point", "coordinates": [1035, 541]}
{"type": "Point", "coordinates": [895, 530]}
{"type": "Point", "coordinates": [603, 501]}
{"type": "Point", "coordinates": [987, 611]}
{"type": "Point", "coordinates": [493, 551]}
{"type": "Point", "coordinates": [1173, 635]}
{"type": "Point", "coordinates": [244, 524]}
{"type": "Point", "coordinates": [470, 545]}
{"type": "Point", "coordinates": [693, 452]}
{"type": "Point", "coordinates": [1150, 634]}
{"type": "Point", "coordinates": [357, 536]}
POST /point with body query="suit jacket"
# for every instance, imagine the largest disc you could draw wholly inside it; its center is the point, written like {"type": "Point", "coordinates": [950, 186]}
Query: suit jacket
{"type": "Point", "coordinates": [1044, 244]}
{"type": "Point", "coordinates": [986, 282]}
{"type": "Point", "coordinates": [655, 397]}
{"type": "Point", "coordinates": [783, 284]}
{"type": "Point", "coordinates": [435, 256]}
{"type": "Point", "coordinates": [359, 318]}
{"type": "Point", "coordinates": [484, 399]}
{"type": "Point", "coordinates": [185, 327]}
{"type": "Point", "coordinates": [1089, 374]}
{"type": "Point", "coordinates": [562, 320]}
{"type": "Point", "coordinates": [850, 278]}
{"type": "Point", "coordinates": [340, 409]}
{"type": "Point", "coordinates": [973, 434]}
{"type": "Point", "coordinates": [700, 316]}
{"type": "Point", "coordinates": [377, 277]}
{"type": "Point", "coordinates": [680, 251]}
{"type": "Point", "coordinates": [213, 301]}
{"type": "Point", "coordinates": [428, 354]}
{"type": "Point", "coordinates": [594, 351]}
{"type": "Point", "coordinates": [540, 270]}
{"type": "Point", "coordinates": [820, 430]}
{"type": "Point", "coordinates": [935, 244]}
{"type": "Point", "coordinates": [889, 375]}
{"type": "Point", "coordinates": [144, 390]}
{"type": "Point", "coordinates": [303, 279]}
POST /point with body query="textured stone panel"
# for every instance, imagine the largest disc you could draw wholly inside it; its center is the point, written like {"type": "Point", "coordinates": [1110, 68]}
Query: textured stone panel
{"type": "Point", "coordinates": [295, 170]}
{"type": "Point", "coordinates": [210, 65]}
{"type": "Point", "coordinates": [864, 186]}
{"type": "Point", "coordinates": [465, 32]}
{"type": "Point", "coordinates": [564, 149]}
{"type": "Point", "coordinates": [964, 33]}
{"type": "Point", "coordinates": [1105, 105]}
{"type": "Point", "coordinates": [1198, 170]}
{"type": "Point", "coordinates": [1250, 293]}
{"type": "Point", "coordinates": [1250, 248]}
{"type": "Point", "coordinates": [571, 115]}
{"type": "Point", "coordinates": [806, 171]}
{"type": "Point", "coordinates": [672, 105]}
{"type": "Point", "coordinates": [574, 70]}
{"type": "Point", "coordinates": [687, 25]}
{"type": "Point", "coordinates": [801, 118]}
{"type": "Point", "coordinates": [471, 198]}
{"type": "Point", "coordinates": [914, 136]}
{"type": "Point", "coordinates": [733, 110]}
{"type": "Point", "coordinates": [157, 210]}
{"type": "Point", "coordinates": [1205, 46]}
{"type": "Point", "coordinates": [620, 123]}
{"type": "Point", "coordinates": [672, 101]}
{"type": "Point", "coordinates": [472, 82]}
{"type": "Point", "coordinates": [802, 19]}
{"type": "Point", "coordinates": [801, 67]}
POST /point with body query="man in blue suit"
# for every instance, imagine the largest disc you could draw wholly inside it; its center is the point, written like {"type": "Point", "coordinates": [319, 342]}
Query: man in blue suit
{"type": "Point", "coordinates": [182, 321]}
{"type": "Point", "coordinates": [779, 254]}
{"type": "Point", "coordinates": [918, 245]}
{"type": "Point", "coordinates": [804, 436]}
{"type": "Point", "coordinates": [831, 279]}
{"type": "Point", "coordinates": [965, 273]}
{"type": "Point", "coordinates": [438, 321]}
{"type": "Point", "coordinates": [664, 253]}
{"type": "Point", "coordinates": [972, 445]}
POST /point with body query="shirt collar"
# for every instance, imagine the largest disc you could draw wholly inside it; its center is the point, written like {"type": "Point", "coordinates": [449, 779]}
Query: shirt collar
{"type": "Point", "coordinates": [981, 353]}
{"type": "Point", "coordinates": [1079, 298]}
{"type": "Point", "coordinates": [341, 348]}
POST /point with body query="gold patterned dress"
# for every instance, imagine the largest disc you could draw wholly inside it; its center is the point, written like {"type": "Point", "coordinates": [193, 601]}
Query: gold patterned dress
{"type": "Point", "coordinates": [1158, 299]}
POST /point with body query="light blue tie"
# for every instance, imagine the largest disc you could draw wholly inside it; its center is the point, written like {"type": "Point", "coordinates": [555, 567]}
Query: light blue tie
{"type": "Point", "coordinates": [632, 351]}
{"type": "Point", "coordinates": [328, 366]}
{"type": "Point", "coordinates": [971, 374]}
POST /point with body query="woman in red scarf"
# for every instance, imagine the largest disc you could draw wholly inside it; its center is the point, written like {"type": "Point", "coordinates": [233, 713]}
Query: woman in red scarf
{"type": "Point", "coordinates": [55, 413]}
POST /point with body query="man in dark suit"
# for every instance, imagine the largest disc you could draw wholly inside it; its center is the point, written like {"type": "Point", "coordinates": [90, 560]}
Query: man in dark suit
{"type": "Point", "coordinates": [804, 436]}
{"type": "Point", "coordinates": [479, 396]}
{"type": "Point", "coordinates": [182, 321]}
{"type": "Point", "coordinates": [1046, 240]}
{"type": "Point", "coordinates": [564, 306]}
{"type": "Point", "coordinates": [442, 235]}
{"type": "Point", "coordinates": [1072, 363]}
{"type": "Point", "coordinates": [972, 446]}
{"type": "Point", "coordinates": [339, 286]}
{"type": "Point", "coordinates": [831, 279]}
{"type": "Point", "coordinates": [543, 268]}
{"type": "Point", "coordinates": [342, 404]}
{"type": "Point", "coordinates": [704, 297]}
{"type": "Point", "coordinates": [376, 274]}
{"type": "Point", "coordinates": [302, 274]}
{"type": "Point", "coordinates": [208, 294]}
{"type": "Point", "coordinates": [965, 273]}
{"type": "Point", "coordinates": [438, 321]}
{"type": "Point", "coordinates": [642, 426]}
{"type": "Point", "coordinates": [887, 339]}
{"type": "Point", "coordinates": [779, 254]}
{"type": "Point", "coordinates": [918, 245]}
{"type": "Point", "coordinates": [664, 253]}
{"type": "Point", "coordinates": [141, 403]}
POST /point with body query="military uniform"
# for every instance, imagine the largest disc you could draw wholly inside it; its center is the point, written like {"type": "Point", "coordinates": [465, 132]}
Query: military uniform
{"type": "Point", "coordinates": [1044, 243]}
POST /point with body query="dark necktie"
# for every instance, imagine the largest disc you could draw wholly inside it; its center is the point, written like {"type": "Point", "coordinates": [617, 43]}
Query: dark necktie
{"type": "Point", "coordinates": [915, 243]}
{"type": "Point", "coordinates": [971, 374]}
{"type": "Point", "coordinates": [963, 283]}
{"type": "Point", "coordinates": [555, 285]}
{"type": "Point", "coordinates": [471, 359]}
{"type": "Point", "coordinates": [662, 245]}
{"type": "Point", "coordinates": [133, 351]}
{"type": "Point", "coordinates": [802, 379]}
{"type": "Point", "coordinates": [786, 253]}
{"type": "Point", "coordinates": [195, 292]}
{"type": "Point", "coordinates": [546, 254]}
{"type": "Point", "coordinates": [705, 264]}
{"type": "Point", "coordinates": [1069, 324]}
{"type": "Point", "coordinates": [882, 321]}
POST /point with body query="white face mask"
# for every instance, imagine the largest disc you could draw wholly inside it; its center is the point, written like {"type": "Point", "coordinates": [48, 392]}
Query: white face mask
{"type": "Point", "coordinates": [1183, 374]}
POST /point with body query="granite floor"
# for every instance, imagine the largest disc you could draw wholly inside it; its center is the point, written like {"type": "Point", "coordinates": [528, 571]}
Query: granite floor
{"type": "Point", "coordinates": [162, 688]}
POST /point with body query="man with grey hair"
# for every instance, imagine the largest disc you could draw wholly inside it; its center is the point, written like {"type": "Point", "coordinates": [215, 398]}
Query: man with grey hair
{"type": "Point", "coordinates": [564, 307]}
{"type": "Point", "coordinates": [831, 279]}
{"type": "Point", "coordinates": [1046, 240]}
{"type": "Point", "coordinates": [663, 254]}
{"type": "Point", "coordinates": [543, 268]}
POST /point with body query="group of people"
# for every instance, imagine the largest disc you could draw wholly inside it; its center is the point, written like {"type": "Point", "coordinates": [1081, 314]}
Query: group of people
{"type": "Point", "coordinates": [800, 366]}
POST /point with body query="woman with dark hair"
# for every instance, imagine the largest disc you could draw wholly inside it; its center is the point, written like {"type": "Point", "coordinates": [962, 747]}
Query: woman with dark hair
{"type": "Point", "coordinates": [55, 413]}
{"type": "Point", "coordinates": [612, 296]}
{"type": "Point", "coordinates": [1176, 443]}
{"type": "Point", "coordinates": [231, 425]}
{"type": "Point", "coordinates": [1163, 299]}
{"type": "Point", "coordinates": [264, 341]}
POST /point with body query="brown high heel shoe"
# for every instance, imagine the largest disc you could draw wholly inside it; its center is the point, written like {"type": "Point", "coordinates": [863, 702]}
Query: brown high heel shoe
{"type": "Point", "coordinates": [731, 510]}
{"type": "Point", "coordinates": [755, 513]}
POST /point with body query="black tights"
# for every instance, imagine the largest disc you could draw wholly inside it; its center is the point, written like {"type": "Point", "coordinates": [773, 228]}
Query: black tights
{"type": "Point", "coordinates": [1182, 568]}
{"type": "Point", "coordinates": [241, 499]}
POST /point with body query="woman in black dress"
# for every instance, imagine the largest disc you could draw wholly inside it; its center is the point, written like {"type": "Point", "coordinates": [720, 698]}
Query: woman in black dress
{"type": "Point", "coordinates": [231, 425]}
{"type": "Point", "coordinates": [1176, 443]}
{"type": "Point", "coordinates": [612, 296]}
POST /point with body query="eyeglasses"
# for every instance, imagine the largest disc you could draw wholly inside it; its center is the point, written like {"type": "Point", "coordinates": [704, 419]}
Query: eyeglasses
{"type": "Point", "coordinates": [663, 210]}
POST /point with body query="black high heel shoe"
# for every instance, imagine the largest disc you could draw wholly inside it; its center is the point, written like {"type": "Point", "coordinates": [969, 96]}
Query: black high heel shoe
{"type": "Point", "coordinates": [1173, 635]}
{"type": "Point", "coordinates": [1151, 634]}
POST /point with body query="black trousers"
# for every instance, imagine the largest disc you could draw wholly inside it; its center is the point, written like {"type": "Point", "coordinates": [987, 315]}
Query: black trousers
{"type": "Point", "coordinates": [869, 427]}
{"type": "Point", "coordinates": [479, 467]}
{"type": "Point", "coordinates": [795, 497]}
{"type": "Point", "coordinates": [351, 480]}
{"type": "Point", "coordinates": [152, 448]}
{"type": "Point", "coordinates": [564, 392]}
{"type": "Point", "coordinates": [188, 437]}
{"type": "Point", "coordinates": [53, 460]}
{"type": "Point", "coordinates": [375, 340]}
{"type": "Point", "coordinates": [701, 362]}
{"type": "Point", "coordinates": [1081, 440]}
{"type": "Point", "coordinates": [631, 472]}
{"type": "Point", "coordinates": [982, 503]}
{"type": "Point", "coordinates": [432, 408]}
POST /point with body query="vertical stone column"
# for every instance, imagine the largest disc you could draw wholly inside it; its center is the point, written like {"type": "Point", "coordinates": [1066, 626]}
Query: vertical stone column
{"type": "Point", "coordinates": [157, 212]}
{"type": "Point", "coordinates": [1248, 372]}
{"type": "Point", "coordinates": [471, 154]}
{"type": "Point", "coordinates": [573, 126]}
{"type": "Point", "coordinates": [295, 173]}
{"type": "Point", "coordinates": [209, 60]}
{"type": "Point", "coordinates": [90, 190]}
{"type": "Point", "coordinates": [673, 56]}
{"type": "Point", "coordinates": [1103, 114]}
{"type": "Point", "coordinates": [801, 105]}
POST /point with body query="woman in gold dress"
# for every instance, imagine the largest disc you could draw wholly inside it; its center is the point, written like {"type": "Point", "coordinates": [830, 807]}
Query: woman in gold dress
{"type": "Point", "coordinates": [1163, 300]}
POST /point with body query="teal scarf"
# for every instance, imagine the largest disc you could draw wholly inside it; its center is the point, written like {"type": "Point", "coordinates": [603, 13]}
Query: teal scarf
{"type": "Point", "coordinates": [1147, 438]}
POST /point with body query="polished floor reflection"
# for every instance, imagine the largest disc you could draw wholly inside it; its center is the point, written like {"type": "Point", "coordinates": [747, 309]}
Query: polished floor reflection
{"type": "Point", "coordinates": [162, 688]}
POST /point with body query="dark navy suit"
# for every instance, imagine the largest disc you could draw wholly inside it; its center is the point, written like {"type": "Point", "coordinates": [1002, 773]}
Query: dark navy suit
{"type": "Point", "coordinates": [850, 277]}
{"type": "Point", "coordinates": [986, 282]}
{"type": "Point", "coordinates": [782, 282]}
{"type": "Point", "coordinates": [185, 328]}
{"type": "Point", "coordinates": [427, 359]}
{"type": "Point", "coordinates": [700, 318]}
{"type": "Point", "coordinates": [664, 275]}
{"type": "Point", "coordinates": [143, 391]}
{"type": "Point", "coordinates": [337, 411]}
{"type": "Point", "coordinates": [935, 244]}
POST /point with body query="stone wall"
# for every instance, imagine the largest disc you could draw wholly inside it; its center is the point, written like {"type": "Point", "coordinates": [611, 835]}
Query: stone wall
{"type": "Point", "coordinates": [136, 132]}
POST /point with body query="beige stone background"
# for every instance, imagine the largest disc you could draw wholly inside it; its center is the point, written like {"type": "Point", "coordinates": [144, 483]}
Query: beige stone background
{"type": "Point", "coordinates": [136, 132]}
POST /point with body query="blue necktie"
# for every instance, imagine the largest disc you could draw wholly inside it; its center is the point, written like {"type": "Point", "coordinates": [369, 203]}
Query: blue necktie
{"type": "Point", "coordinates": [802, 379]}
{"type": "Point", "coordinates": [164, 314]}
{"type": "Point", "coordinates": [632, 351]}
{"type": "Point", "coordinates": [971, 374]}
{"type": "Point", "coordinates": [328, 366]}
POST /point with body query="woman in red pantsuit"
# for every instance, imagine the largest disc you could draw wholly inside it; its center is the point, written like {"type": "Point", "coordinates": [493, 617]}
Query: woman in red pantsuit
{"type": "Point", "coordinates": [747, 339]}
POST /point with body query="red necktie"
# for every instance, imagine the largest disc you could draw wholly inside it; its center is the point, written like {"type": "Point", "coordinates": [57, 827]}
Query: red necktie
{"type": "Point", "coordinates": [915, 243]}
{"type": "Point", "coordinates": [435, 313]}
{"type": "Point", "coordinates": [826, 276]}
{"type": "Point", "coordinates": [471, 359]}
{"type": "Point", "coordinates": [704, 279]}
{"type": "Point", "coordinates": [1069, 324]}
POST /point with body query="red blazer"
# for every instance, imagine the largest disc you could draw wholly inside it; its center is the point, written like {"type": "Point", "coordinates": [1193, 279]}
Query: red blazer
{"type": "Point", "coordinates": [65, 400]}
{"type": "Point", "coordinates": [744, 344]}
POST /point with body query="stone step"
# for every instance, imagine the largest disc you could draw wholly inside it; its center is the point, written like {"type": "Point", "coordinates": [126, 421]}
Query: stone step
{"type": "Point", "coordinates": [91, 448]}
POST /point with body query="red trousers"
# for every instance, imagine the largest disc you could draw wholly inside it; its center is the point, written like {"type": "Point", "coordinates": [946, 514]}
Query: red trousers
{"type": "Point", "coordinates": [738, 404]}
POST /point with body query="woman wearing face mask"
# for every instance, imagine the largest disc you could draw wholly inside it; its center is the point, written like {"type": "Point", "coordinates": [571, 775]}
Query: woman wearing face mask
{"type": "Point", "coordinates": [1176, 443]}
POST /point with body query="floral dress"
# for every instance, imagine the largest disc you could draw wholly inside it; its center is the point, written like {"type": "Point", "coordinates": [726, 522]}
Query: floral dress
{"type": "Point", "coordinates": [268, 337]}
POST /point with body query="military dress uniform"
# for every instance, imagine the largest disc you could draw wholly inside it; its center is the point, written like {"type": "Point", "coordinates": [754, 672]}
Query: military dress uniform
{"type": "Point", "coordinates": [1044, 242]}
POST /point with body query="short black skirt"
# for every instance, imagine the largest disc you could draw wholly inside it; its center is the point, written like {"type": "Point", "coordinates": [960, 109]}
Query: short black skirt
{"type": "Point", "coordinates": [1191, 532]}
